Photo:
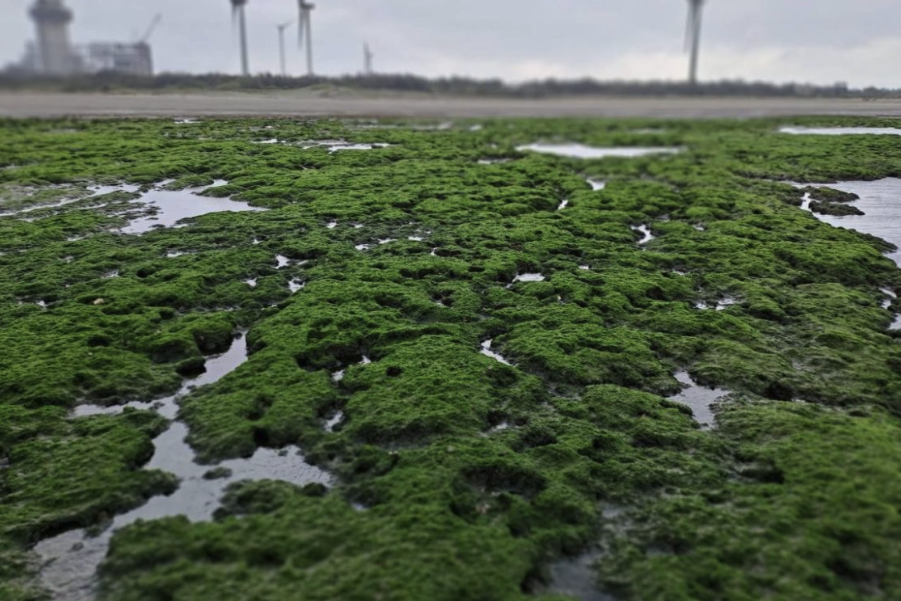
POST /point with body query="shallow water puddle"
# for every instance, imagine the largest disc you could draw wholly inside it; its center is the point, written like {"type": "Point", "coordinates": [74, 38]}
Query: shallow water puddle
{"type": "Point", "coordinates": [333, 148]}
{"type": "Point", "coordinates": [880, 201]}
{"type": "Point", "coordinates": [840, 131]}
{"type": "Point", "coordinates": [886, 304]}
{"type": "Point", "coordinates": [721, 305]}
{"type": "Point", "coordinates": [529, 277]}
{"type": "Point", "coordinates": [576, 578]}
{"type": "Point", "coordinates": [333, 421]}
{"type": "Point", "coordinates": [337, 376]}
{"type": "Point", "coordinates": [581, 151]}
{"type": "Point", "coordinates": [646, 235]}
{"type": "Point", "coordinates": [486, 350]}
{"type": "Point", "coordinates": [498, 428]}
{"type": "Point", "coordinates": [70, 560]}
{"type": "Point", "coordinates": [171, 206]}
{"type": "Point", "coordinates": [698, 398]}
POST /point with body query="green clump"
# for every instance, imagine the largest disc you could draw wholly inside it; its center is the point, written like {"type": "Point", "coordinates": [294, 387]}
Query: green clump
{"type": "Point", "coordinates": [834, 209]}
{"type": "Point", "coordinates": [830, 195]}
{"type": "Point", "coordinates": [795, 523]}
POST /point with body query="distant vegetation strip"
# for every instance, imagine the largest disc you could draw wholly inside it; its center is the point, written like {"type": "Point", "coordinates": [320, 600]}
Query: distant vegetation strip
{"type": "Point", "coordinates": [461, 86]}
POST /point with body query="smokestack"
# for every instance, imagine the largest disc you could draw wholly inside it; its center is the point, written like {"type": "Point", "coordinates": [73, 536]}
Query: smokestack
{"type": "Point", "coordinates": [52, 19]}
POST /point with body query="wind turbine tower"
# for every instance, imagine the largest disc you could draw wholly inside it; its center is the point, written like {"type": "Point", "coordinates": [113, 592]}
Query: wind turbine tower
{"type": "Point", "coordinates": [305, 31]}
{"type": "Point", "coordinates": [281, 44]}
{"type": "Point", "coordinates": [238, 14]}
{"type": "Point", "coordinates": [54, 51]}
{"type": "Point", "coordinates": [367, 60]}
{"type": "Point", "coordinates": [693, 37]}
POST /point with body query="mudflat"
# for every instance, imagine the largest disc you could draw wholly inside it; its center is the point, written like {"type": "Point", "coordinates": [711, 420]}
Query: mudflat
{"type": "Point", "coordinates": [309, 104]}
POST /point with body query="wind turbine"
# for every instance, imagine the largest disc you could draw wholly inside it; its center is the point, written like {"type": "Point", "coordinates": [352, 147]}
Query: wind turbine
{"type": "Point", "coordinates": [367, 59]}
{"type": "Point", "coordinates": [238, 14]}
{"type": "Point", "coordinates": [304, 28]}
{"type": "Point", "coordinates": [693, 37]}
{"type": "Point", "coordinates": [281, 44]}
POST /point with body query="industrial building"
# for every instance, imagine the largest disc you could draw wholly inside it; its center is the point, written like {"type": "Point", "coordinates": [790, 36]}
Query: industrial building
{"type": "Point", "coordinates": [52, 53]}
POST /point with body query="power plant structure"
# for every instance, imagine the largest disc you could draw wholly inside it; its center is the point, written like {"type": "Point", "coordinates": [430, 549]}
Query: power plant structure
{"type": "Point", "coordinates": [53, 53]}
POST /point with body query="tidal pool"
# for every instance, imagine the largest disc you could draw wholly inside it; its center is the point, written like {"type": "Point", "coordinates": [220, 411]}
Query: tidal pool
{"type": "Point", "coordinates": [581, 151]}
{"type": "Point", "coordinates": [70, 560]}
{"type": "Point", "coordinates": [529, 277]}
{"type": "Point", "coordinates": [486, 350]}
{"type": "Point", "coordinates": [721, 305]}
{"type": "Point", "coordinates": [333, 421]}
{"type": "Point", "coordinates": [841, 131]}
{"type": "Point", "coordinates": [698, 398]}
{"type": "Point", "coordinates": [646, 235]}
{"type": "Point", "coordinates": [880, 200]}
{"type": "Point", "coordinates": [576, 577]}
{"type": "Point", "coordinates": [168, 207]}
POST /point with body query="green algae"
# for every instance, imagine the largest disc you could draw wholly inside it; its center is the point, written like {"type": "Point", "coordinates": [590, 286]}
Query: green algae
{"type": "Point", "coordinates": [460, 477]}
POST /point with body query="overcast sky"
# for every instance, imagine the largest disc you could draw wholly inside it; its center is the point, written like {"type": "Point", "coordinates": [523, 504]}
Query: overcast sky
{"type": "Point", "coordinates": [819, 41]}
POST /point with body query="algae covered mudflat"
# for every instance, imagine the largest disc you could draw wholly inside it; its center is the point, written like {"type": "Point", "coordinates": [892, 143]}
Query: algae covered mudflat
{"type": "Point", "coordinates": [437, 365]}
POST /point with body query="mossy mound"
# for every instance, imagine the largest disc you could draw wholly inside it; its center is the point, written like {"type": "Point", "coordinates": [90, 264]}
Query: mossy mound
{"type": "Point", "coordinates": [458, 475]}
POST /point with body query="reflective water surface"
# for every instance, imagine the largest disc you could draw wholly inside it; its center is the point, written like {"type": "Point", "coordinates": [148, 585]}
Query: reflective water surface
{"type": "Point", "coordinates": [70, 560]}
{"type": "Point", "coordinates": [841, 131]}
{"type": "Point", "coordinates": [699, 398]}
{"type": "Point", "coordinates": [171, 206]}
{"type": "Point", "coordinates": [581, 151]}
{"type": "Point", "coordinates": [880, 200]}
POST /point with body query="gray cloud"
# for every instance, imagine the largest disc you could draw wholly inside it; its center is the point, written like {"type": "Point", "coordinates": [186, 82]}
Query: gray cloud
{"type": "Point", "coordinates": [804, 40]}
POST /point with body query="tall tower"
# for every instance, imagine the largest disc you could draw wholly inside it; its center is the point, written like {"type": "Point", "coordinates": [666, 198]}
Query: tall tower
{"type": "Point", "coordinates": [54, 52]}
